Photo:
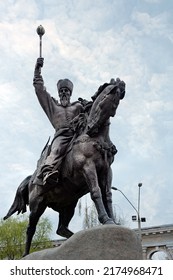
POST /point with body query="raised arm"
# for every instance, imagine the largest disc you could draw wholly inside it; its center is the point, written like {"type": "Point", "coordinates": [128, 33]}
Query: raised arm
{"type": "Point", "coordinates": [43, 96]}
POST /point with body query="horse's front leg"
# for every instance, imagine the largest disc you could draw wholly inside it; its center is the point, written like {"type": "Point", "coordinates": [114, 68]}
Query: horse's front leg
{"type": "Point", "coordinates": [90, 174]}
{"type": "Point", "coordinates": [108, 195]}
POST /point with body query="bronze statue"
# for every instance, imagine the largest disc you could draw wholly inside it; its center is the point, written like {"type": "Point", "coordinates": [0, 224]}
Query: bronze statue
{"type": "Point", "coordinates": [77, 162]}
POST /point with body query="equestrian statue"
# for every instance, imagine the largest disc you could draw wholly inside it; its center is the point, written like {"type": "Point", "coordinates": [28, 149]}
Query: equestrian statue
{"type": "Point", "coordinates": [78, 159]}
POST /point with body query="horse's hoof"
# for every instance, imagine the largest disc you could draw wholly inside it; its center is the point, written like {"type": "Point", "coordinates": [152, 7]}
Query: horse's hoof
{"type": "Point", "coordinates": [64, 232]}
{"type": "Point", "coordinates": [24, 255]}
{"type": "Point", "coordinates": [109, 222]}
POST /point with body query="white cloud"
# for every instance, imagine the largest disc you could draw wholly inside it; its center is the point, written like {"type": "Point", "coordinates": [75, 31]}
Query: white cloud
{"type": "Point", "coordinates": [152, 25]}
{"type": "Point", "coordinates": [14, 10]}
{"type": "Point", "coordinates": [153, 1]}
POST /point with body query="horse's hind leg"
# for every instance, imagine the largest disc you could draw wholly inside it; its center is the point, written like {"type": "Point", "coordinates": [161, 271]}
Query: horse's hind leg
{"type": "Point", "coordinates": [65, 216]}
{"type": "Point", "coordinates": [34, 216]}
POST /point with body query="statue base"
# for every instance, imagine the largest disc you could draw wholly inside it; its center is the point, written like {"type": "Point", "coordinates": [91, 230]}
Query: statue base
{"type": "Point", "coordinates": [108, 242]}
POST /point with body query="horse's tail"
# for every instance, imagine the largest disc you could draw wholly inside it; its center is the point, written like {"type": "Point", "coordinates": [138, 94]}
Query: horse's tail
{"type": "Point", "coordinates": [21, 199]}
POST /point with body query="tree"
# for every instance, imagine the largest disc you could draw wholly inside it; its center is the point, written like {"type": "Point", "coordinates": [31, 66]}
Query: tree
{"type": "Point", "coordinates": [91, 217]}
{"type": "Point", "coordinates": [13, 234]}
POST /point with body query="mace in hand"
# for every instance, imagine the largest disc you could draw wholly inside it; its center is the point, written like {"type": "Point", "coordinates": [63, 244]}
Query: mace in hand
{"type": "Point", "coordinates": [40, 32]}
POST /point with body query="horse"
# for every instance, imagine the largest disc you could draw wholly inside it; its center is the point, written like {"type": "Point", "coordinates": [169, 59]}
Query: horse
{"type": "Point", "coordinates": [86, 168]}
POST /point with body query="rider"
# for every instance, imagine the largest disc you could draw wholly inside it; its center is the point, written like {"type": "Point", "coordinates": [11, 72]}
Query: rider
{"type": "Point", "coordinates": [61, 116]}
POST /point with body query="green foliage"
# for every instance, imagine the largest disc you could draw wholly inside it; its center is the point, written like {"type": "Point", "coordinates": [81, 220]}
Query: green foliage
{"type": "Point", "coordinates": [91, 217]}
{"type": "Point", "coordinates": [41, 238]}
{"type": "Point", "coordinates": [13, 234]}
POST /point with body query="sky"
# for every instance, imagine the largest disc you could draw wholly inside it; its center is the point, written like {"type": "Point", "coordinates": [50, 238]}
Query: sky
{"type": "Point", "coordinates": [91, 42]}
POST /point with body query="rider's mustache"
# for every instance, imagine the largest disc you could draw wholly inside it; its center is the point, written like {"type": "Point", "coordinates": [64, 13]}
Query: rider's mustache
{"type": "Point", "coordinates": [64, 95]}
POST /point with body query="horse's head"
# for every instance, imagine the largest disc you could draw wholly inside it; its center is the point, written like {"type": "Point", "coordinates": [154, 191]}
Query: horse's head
{"type": "Point", "coordinates": [105, 105]}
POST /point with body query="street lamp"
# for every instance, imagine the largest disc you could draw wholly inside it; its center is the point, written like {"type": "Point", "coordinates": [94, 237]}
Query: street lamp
{"type": "Point", "coordinates": [137, 211]}
{"type": "Point", "coordinates": [139, 218]}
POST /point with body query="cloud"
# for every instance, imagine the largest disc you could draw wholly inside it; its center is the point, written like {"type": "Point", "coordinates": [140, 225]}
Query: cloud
{"type": "Point", "coordinates": [155, 25]}
{"type": "Point", "coordinates": [15, 10]}
{"type": "Point", "coordinates": [153, 1]}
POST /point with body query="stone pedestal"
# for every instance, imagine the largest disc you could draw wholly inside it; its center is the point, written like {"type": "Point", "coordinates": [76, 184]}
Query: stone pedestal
{"type": "Point", "coordinates": [108, 242]}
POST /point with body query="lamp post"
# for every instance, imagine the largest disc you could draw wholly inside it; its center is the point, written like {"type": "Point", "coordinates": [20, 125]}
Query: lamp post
{"type": "Point", "coordinates": [139, 218]}
{"type": "Point", "coordinates": [136, 210]}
